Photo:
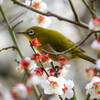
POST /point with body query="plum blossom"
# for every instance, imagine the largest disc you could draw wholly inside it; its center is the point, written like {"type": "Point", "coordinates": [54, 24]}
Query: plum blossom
{"type": "Point", "coordinates": [26, 63]}
{"type": "Point", "coordinates": [35, 42]}
{"type": "Point", "coordinates": [19, 90]}
{"type": "Point", "coordinates": [68, 89]}
{"type": "Point", "coordinates": [63, 72]}
{"type": "Point", "coordinates": [36, 76]}
{"type": "Point", "coordinates": [93, 88]}
{"type": "Point", "coordinates": [96, 44]}
{"type": "Point", "coordinates": [53, 86]}
{"type": "Point", "coordinates": [36, 57]}
{"type": "Point", "coordinates": [50, 71]}
{"type": "Point", "coordinates": [41, 21]}
{"type": "Point", "coordinates": [62, 61]}
{"type": "Point", "coordinates": [90, 72]}
{"type": "Point", "coordinates": [37, 4]}
{"type": "Point", "coordinates": [34, 79]}
{"type": "Point", "coordinates": [44, 58]}
{"type": "Point", "coordinates": [94, 24]}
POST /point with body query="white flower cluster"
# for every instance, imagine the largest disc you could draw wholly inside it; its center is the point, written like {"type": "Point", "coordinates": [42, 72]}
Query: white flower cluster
{"type": "Point", "coordinates": [93, 88]}
{"type": "Point", "coordinates": [20, 89]}
{"type": "Point", "coordinates": [51, 83]}
{"type": "Point", "coordinates": [37, 19]}
{"type": "Point", "coordinates": [96, 45]}
{"type": "Point", "coordinates": [26, 63]}
{"type": "Point", "coordinates": [58, 86]}
{"type": "Point", "coordinates": [94, 24]}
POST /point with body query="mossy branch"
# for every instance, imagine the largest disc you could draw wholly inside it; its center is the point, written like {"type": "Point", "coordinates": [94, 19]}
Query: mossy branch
{"type": "Point", "coordinates": [17, 46]}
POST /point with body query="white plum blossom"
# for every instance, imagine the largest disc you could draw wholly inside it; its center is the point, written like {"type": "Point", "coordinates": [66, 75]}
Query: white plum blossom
{"type": "Point", "coordinates": [96, 44]}
{"type": "Point", "coordinates": [42, 21]}
{"type": "Point", "coordinates": [98, 64]}
{"type": "Point", "coordinates": [1, 2]}
{"type": "Point", "coordinates": [94, 24]}
{"type": "Point", "coordinates": [20, 90]}
{"type": "Point", "coordinates": [93, 88]}
{"type": "Point", "coordinates": [26, 63]}
{"type": "Point", "coordinates": [34, 80]}
{"type": "Point", "coordinates": [37, 4]}
{"type": "Point", "coordinates": [36, 19]}
{"type": "Point", "coordinates": [90, 72]}
{"type": "Point", "coordinates": [53, 86]}
{"type": "Point", "coordinates": [68, 89]}
{"type": "Point", "coordinates": [64, 71]}
{"type": "Point", "coordinates": [37, 76]}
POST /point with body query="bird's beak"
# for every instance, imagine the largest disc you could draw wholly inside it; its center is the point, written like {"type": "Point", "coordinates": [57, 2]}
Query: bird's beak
{"type": "Point", "coordinates": [21, 33]}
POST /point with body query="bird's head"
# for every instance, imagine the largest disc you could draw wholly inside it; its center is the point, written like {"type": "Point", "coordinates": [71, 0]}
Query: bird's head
{"type": "Point", "coordinates": [32, 32]}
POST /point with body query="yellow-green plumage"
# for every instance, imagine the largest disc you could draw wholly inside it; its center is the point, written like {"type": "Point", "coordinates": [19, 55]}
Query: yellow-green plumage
{"type": "Point", "coordinates": [54, 41]}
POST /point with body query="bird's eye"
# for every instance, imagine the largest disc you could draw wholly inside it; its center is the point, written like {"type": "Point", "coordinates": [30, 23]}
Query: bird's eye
{"type": "Point", "coordinates": [31, 32]}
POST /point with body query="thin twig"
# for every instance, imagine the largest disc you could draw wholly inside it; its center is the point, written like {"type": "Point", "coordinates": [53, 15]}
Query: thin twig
{"type": "Point", "coordinates": [91, 11]}
{"type": "Point", "coordinates": [48, 13]}
{"type": "Point", "coordinates": [44, 69]}
{"type": "Point", "coordinates": [11, 33]}
{"type": "Point", "coordinates": [16, 17]}
{"type": "Point", "coordinates": [32, 47]}
{"type": "Point", "coordinates": [88, 97]}
{"type": "Point", "coordinates": [74, 12]}
{"type": "Point", "coordinates": [60, 97]}
{"type": "Point", "coordinates": [53, 67]}
{"type": "Point", "coordinates": [39, 61]}
{"type": "Point", "coordinates": [92, 4]}
{"type": "Point", "coordinates": [12, 20]}
{"type": "Point", "coordinates": [37, 94]}
{"type": "Point", "coordinates": [10, 47]}
{"type": "Point", "coordinates": [17, 24]}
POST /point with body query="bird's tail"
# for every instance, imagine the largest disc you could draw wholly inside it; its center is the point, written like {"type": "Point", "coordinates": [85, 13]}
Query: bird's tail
{"type": "Point", "coordinates": [85, 57]}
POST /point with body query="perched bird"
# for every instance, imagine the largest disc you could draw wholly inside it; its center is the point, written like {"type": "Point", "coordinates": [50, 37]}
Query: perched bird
{"type": "Point", "coordinates": [55, 42]}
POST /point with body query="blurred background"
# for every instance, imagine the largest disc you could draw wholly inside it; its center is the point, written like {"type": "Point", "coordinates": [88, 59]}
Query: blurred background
{"type": "Point", "coordinates": [8, 74]}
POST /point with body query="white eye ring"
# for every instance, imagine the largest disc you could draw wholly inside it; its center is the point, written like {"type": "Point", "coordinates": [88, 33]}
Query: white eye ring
{"type": "Point", "coordinates": [31, 32]}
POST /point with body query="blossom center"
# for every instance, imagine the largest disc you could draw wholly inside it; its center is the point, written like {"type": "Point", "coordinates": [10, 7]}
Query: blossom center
{"type": "Point", "coordinates": [53, 84]}
{"type": "Point", "coordinates": [65, 89]}
{"type": "Point", "coordinates": [96, 22]}
{"type": "Point", "coordinates": [36, 5]}
{"type": "Point", "coordinates": [96, 85]}
{"type": "Point", "coordinates": [40, 19]}
{"type": "Point", "coordinates": [39, 71]}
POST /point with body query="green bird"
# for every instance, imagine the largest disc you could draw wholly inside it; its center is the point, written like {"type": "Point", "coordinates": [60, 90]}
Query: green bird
{"type": "Point", "coordinates": [54, 42]}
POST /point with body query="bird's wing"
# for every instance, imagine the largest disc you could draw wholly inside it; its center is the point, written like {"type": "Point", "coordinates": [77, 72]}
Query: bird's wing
{"type": "Point", "coordinates": [46, 47]}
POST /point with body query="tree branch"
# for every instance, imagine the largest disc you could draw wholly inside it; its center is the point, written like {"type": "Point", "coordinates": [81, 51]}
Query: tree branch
{"type": "Point", "coordinates": [11, 33]}
{"type": "Point", "coordinates": [17, 46]}
{"type": "Point", "coordinates": [10, 47]}
{"type": "Point", "coordinates": [17, 24]}
{"type": "Point", "coordinates": [74, 12]}
{"type": "Point", "coordinates": [48, 13]}
{"type": "Point", "coordinates": [91, 10]}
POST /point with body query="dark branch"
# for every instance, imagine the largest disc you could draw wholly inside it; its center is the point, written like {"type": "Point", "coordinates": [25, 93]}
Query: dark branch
{"type": "Point", "coordinates": [48, 13]}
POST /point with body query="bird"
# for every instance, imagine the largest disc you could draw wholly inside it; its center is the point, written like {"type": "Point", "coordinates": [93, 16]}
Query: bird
{"type": "Point", "coordinates": [54, 42]}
